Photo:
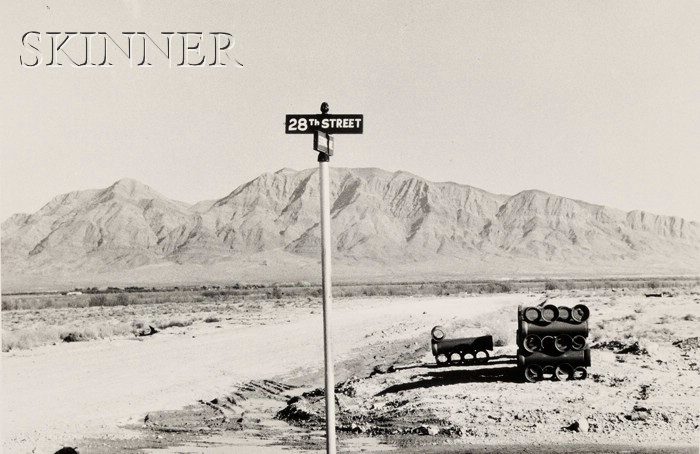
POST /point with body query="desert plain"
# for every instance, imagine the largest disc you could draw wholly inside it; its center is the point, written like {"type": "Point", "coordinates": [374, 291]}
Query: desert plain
{"type": "Point", "coordinates": [227, 373]}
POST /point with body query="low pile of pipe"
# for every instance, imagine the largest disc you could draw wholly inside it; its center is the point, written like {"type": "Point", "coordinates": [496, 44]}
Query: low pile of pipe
{"type": "Point", "coordinates": [553, 342]}
{"type": "Point", "coordinates": [460, 351]}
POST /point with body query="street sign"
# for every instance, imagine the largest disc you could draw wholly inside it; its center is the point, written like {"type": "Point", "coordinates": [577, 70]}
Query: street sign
{"type": "Point", "coordinates": [322, 126]}
{"type": "Point", "coordinates": [323, 143]}
{"type": "Point", "coordinates": [330, 124]}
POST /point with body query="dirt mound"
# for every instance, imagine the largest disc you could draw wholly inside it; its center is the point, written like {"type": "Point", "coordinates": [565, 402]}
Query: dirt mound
{"type": "Point", "coordinates": [689, 344]}
{"type": "Point", "coordinates": [621, 348]}
{"type": "Point", "coordinates": [303, 411]}
{"type": "Point", "coordinates": [690, 351]}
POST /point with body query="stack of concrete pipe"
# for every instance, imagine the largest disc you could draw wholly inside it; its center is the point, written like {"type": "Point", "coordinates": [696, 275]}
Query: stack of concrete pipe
{"type": "Point", "coordinates": [459, 351]}
{"type": "Point", "coordinates": [553, 342]}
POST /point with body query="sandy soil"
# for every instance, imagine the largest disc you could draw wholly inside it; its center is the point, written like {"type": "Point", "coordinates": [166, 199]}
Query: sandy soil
{"type": "Point", "coordinates": [642, 395]}
{"type": "Point", "coordinates": [643, 389]}
{"type": "Point", "coordinates": [54, 396]}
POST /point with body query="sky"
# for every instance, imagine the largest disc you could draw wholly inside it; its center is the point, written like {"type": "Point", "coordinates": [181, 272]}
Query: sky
{"type": "Point", "coordinates": [592, 100]}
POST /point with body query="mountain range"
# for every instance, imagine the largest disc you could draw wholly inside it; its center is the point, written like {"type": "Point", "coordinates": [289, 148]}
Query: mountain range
{"type": "Point", "coordinates": [391, 225]}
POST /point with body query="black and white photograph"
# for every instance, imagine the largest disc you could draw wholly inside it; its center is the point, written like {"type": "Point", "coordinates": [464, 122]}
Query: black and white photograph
{"type": "Point", "coordinates": [307, 227]}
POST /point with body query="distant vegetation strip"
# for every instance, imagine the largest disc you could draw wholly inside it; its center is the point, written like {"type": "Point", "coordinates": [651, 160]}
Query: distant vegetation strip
{"type": "Point", "coordinates": [44, 333]}
{"type": "Point", "coordinates": [116, 296]}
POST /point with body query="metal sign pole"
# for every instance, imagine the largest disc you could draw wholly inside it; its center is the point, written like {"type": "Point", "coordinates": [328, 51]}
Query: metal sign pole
{"type": "Point", "coordinates": [327, 299]}
{"type": "Point", "coordinates": [322, 127]}
{"type": "Point", "coordinates": [324, 182]}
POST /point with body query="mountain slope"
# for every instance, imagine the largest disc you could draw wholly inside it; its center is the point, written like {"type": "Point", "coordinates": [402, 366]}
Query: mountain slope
{"type": "Point", "coordinates": [379, 218]}
{"type": "Point", "coordinates": [126, 224]}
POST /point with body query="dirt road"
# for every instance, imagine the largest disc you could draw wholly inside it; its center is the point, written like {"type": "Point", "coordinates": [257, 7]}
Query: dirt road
{"type": "Point", "coordinates": [55, 395]}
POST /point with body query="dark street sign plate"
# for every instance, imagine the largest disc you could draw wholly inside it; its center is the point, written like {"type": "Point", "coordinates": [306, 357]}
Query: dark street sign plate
{"type": "Point", "coordinates": [330, 124]}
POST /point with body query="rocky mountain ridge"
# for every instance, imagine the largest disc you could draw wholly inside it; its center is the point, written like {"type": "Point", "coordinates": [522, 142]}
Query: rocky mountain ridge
{"type": "Point", "coordinates": [378, 217]}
